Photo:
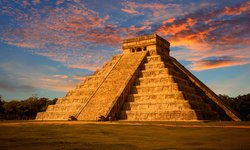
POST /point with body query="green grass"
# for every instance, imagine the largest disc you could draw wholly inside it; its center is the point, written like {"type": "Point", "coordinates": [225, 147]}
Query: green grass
{"type": "Point", "coordinates": [122, 136]}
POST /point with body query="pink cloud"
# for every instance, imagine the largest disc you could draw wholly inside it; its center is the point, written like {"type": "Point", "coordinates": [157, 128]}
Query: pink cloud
{"type": "Point", "coordinates": [130, 11]}
{"type": "Point", "coordinates": [236, 10]}
{"type": "Point", "coordinates": [67, 28]}
{"type": "Point", "coordinates": [36, 78]}
{"type": "Point", "coordinates": [215, 39]}
{"type": "Point", "coordinates": [61, 76]}
{"type": "Point", "coordinates": [217, 63]}
{"type": "Point", "coordinates": [59, 2]}
{"type": "Point", "coordinates": [36, 2]}
{"type": "Point", "coordinates": [55, 84]}
{"type": "Point", "coordinates": [160, 11]}
{"type": "Point", "coordinates": [78, 59]}
{"type": "Point", "coordinates": [80, 78]}
{"type": "Point", "coordinates": [65, 34]}
{"type": "Point", "coordinates": [68, 31]}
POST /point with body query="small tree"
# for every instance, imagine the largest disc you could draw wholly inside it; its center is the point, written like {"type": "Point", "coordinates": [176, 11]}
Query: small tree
{"type": "Point", "coordinates": [1, 105]}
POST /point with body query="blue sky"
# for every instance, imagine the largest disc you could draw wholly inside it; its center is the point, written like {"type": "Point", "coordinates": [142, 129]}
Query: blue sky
{"type": "Point", "coordinates": [47, 46]}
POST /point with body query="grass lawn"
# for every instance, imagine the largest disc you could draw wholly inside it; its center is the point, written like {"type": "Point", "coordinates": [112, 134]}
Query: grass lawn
{"type": "Point", "coordinates": [124, 135]}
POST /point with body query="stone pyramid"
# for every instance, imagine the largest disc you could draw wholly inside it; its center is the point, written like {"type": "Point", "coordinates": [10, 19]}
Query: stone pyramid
{"type": "Point", "coordinates": [142, 84]}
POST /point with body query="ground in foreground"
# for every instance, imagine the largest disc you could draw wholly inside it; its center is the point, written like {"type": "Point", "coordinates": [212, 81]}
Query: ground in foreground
{"type": "Point", "coordinates": [123, 135]}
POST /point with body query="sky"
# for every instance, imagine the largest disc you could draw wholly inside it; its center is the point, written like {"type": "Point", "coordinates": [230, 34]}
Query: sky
{"type": "Point", "coordinates": [48, 46]}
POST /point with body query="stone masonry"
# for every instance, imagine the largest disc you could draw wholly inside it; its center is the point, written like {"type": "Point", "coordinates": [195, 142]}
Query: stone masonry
{"type": "Point", "coordinates": [143, 84]}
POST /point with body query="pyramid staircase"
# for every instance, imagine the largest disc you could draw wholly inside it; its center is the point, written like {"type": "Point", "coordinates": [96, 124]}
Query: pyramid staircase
{"type": "Point", "coordinates": [162, 92]}
{"type": "Point", "coordinates": [142, 84]}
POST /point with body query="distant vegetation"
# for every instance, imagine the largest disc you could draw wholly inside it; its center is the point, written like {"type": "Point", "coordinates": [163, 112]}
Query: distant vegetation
{"type": "Point", "coordinates": [25, 109]}
{"type": "Point", "coordinates": [240, 104]}
{"type": "Point", "coordinates": [28, 108]}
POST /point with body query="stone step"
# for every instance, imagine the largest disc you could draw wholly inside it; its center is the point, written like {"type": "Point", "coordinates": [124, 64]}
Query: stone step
{"type": "Point", "coordinates": [156, 106]}
{"type": "Point", "coordinates": [86, 92]}
{"type": "Point", "coordinates": [193, 103]}
{"type": "Point", "coordinates": [154, 96]}
{"type": "Point", "coordinates": [187, 115]}
{"type": "Point", "coordinates": [94, 78]}
{"type": "Point", "coordinates": [87, 85]}
{"type": "Point", "coordinates": [53, 116]}
{"type": "Point", "coordinates": [154, 72]}
{"type": "Point", "coordinates": [164, 88]}
{"type": "Point", "coordinates": [176, 73]}
{"type": "Point", "coordinates": [107, 66]}
{"type": "Point", "coordinates": [168, 65]}
{"type": "Point", "coordinates": [161, 72]}
{"type": "Point", "coordinates": [83, 90]}
{"type": "Point", "coordinates": [158, 115]}
{"type": "Point", "coordinates": [163, 96]}
{"type": "Point", "coordinates": [186, 88]}
{"type": "Point", "coordinates": [72, 99]}
{"type": "Point", "coordinates": [157, 65]}
{"type": "Point", "coordinates": [160, 80]}
{"type": "Point", "coordinates": [180, 80]}
{"type": "Point", "coordinates": [154, 58]}
{"type": "Point", "coordinates": [161, 100]}
{"type": "Point", "coordinates": [191, 96]}
{"type": "Point", "coordinates": [166, 105]}
{"type": "Point", "coordinates": [63, 112]}
{"type": "Point", "coordinates": [65, 107]}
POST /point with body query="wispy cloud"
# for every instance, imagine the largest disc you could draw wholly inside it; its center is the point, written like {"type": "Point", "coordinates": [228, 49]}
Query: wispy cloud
{"type": "Point", "coordinates": [159, 11]}
{"type": "Point", "coordinates": [90, 60]}
{"type": "Point", "coordinates": [68, 31]}
{"type": "Point", "coordinates": [205, 34]}
{"type": "Point", "coordinates": [79, 78]}
{"type": "Point", "coordinates": [63, 33]}
{"type": "Point", "coordinates": [60, 76]}
{"type": "Point", "coordinates": [18, 76]}
{"type": "Point", "coordinates": [13, 87]}
{"type": "Point", "coordinates": [218, 62]}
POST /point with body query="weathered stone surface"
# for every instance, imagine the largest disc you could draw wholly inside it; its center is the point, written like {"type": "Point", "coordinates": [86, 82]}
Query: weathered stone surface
{"type": "Point", "coordinates": [142, 84]}
{"type": "Point", "coordinates": [108, 92]}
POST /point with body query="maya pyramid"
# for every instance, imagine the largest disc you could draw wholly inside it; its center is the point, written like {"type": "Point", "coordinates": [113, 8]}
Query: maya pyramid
{"type": "Point", "coordinates": [143, 83]}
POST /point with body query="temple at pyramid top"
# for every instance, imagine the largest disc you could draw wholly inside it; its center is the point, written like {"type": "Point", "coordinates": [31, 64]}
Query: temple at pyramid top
{"type": "Point", "coordinates": [144, 83]}
{"type": "Point", "coordinates": [152, 43]}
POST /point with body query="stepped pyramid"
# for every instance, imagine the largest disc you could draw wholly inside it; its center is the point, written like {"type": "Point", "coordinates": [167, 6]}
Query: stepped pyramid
{"type": "Point", "coordinates": [142, 84]}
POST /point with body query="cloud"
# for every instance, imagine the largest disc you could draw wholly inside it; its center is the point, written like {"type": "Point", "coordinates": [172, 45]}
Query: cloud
{"type": "Point", "coordinates": [156, 9]}
{"type": "Point", "coordinates": [218, 62]}
{"type": "Point", "coordinates": [159, 11]}
{"type": "Point", "coordinates": [236, 10]}
{"type": "Point", "coordinates": [219, 33]}
{"type": "Point", "coordinates": [59, 2]}
{"type": "Point", "coordinates": [62, 28]}
{"type": "Point", "coordinates": [75, 35]}
{"type": "Point", "coordinates": [17, 76]}
{"type": "Point", "coordinates": [64, 33]}
{"type": "Point", "coordinates": [55, 84]}
{"type": "Point", "coordinates": [79, 78]}
{"type": "Point", "coordinates": [90, 60]}
{"type": "Point", "coordinates": [36, 2]}
{"type": "Point", "coordinates": [60, 76]}
{"type": "Point", "coordinates": [130, 11]}
{"type": "Point", "coordinates": [13, 87]}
